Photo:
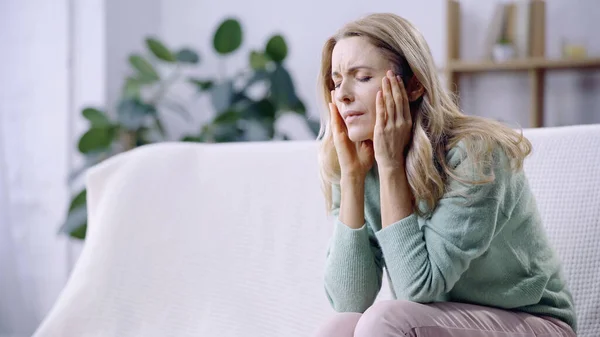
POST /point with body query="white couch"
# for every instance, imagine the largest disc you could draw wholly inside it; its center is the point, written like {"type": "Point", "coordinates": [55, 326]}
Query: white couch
{"type": "Point", "coordinates": [230, 239]}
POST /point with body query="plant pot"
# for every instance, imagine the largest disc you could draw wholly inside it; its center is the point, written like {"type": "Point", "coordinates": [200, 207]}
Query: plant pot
{"type": "Point", "coordinates": [503, 52]}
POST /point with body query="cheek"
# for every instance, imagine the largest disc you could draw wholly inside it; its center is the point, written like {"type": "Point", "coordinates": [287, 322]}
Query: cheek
{"type": "Point", "coordinates": [371, 99]}
{"type": "Point", "coordinates": [367, 96]}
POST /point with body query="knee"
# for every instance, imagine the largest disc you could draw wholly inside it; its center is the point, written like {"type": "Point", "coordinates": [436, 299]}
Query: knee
{"type": "Point", "coordinates": [389, 318]}
{"type": "Point", "coordinates": [340, 325]}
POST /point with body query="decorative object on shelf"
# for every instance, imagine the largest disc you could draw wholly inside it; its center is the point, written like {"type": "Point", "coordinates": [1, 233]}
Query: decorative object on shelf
{"type": "Point", "coordinates": [503, 51]}
{"type": "Point", "coordinates": [573, 49]}
{"type": "Point", "coordinates": [138, 118]}
{"type": "Point", "coordinates": [519, 23]}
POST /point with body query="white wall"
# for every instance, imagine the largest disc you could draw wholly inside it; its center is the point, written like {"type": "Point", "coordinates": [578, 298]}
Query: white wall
{"type": "Point", "coordinates": [34, 106]}
{"type": "Point", "coordinates": [52, 63]}
{"type": "Point", "coordinates": [89, 80]}
{"type": "Point", "coordinates": [126, 25]}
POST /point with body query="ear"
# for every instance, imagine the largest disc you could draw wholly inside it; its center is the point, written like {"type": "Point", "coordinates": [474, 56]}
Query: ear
{"type": "Point", "coordinates": [414, 89]}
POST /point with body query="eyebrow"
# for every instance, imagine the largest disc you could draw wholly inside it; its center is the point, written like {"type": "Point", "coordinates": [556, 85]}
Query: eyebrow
{"type": "Point", "coordinates": [351, 70]}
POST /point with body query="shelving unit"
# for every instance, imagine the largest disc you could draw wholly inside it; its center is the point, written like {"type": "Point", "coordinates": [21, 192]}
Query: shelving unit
{"type": "Point", "coordinates": [536, 67]}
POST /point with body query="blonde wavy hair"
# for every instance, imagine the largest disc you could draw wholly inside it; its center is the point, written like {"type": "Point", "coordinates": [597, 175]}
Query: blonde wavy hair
{"type": "Point", "coordinates": [438, 124]}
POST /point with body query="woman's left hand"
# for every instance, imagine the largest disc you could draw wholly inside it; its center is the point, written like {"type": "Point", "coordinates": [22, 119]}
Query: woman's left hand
{"type": "Point", "coordinates": [393, 126]}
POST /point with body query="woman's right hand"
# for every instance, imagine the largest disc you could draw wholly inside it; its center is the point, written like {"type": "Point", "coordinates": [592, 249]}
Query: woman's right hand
{"type": "Point", "coordinates": [356, 159]}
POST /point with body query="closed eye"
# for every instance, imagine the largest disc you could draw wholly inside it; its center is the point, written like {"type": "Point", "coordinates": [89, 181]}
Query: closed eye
{"type": "Point", "coordinates": [360, 79]}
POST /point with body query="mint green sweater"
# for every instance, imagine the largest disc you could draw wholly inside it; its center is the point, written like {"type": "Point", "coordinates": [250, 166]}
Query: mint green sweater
{"type": "Point", "coordinates": [493, 252]}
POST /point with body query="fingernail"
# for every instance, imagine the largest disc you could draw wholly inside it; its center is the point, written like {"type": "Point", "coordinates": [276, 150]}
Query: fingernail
{"type": "Point", "coordinates": [398, 78]}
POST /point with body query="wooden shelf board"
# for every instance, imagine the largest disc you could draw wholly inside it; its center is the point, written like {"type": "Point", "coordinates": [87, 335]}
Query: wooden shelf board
{"type": "Point", "coordinates": [523, 65]}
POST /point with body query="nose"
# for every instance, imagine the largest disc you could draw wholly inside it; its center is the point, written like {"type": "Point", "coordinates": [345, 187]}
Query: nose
{"type": "Point", "coordinates": [343, 93]}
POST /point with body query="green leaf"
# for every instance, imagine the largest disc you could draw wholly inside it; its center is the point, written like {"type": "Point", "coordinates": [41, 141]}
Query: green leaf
{"type": "Point", "coordinates": [298, 107]}
{"type": "Point", "coordinates": [314, 126]}
{"type": "Point", "coordinates": [258, 76]}
{"type": "Point", "coordinates": [160, 127]}
{"type": "Point", "coordinates": [202, 85]}
{"type": "Point", "coordinates": [78, 200]}
{"type": "Point", "coordinates": [240, 99]}
{"type": "Point", "coordinates": [143, 67]}
{"type": "Point", "coordinates": [228, 37]}
{"type": "Point", "coordinates": [192, 139]}
{"type": "Point", "coordinates": [143, 136]}
{"type": "Point", "coordinates": [133, 113]}
{"type": "Point", "coordinates": [187, 55]}
{"type": "Point", "coordinates": [262, 109]}
{"type": "Point", "coordinates": [222, 133]}
{"type": "Point", "coordinates": [96, 117]}
{"type": "Point", "coordinates": [255, 130]}
{"type": "Point", "coordinates": [96, 139]}
{"type": "Point", "coordinates": [221, 96]}
{"type": "Point", "coordinates": [258, 61]}
{"type": "Point", "coordinates": [144, 79]}
{"type": "Point", "coordinates": [80, 232]}
{"type": "Point", "coordinates": [277, 48]}
{"type": "Point", "coordinates": [76, 222]}
{"type": "Point", "coordinates": [132, 88]}
{"type": "Point", "coordinates": [228, 117]}
{"type": "Point", "coordinates": [159, 50]}
{"type": "Point", "coordinates": [282, 89]}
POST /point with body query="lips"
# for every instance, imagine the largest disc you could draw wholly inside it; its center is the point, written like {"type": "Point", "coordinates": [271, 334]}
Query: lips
{"type": "Point", "coordinates": [350, 116]}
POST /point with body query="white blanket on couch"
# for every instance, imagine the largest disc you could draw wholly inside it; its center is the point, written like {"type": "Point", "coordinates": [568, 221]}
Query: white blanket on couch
{"type": "Point", "coordinates": [230, 239]}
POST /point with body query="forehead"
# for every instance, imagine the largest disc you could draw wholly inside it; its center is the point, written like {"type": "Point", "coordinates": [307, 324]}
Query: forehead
{"type": "Point", "coordinates": [354, 51]}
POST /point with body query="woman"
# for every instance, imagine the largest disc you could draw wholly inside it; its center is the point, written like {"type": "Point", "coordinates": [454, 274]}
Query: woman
{"type": "Point", "coordinates": [437, 197]}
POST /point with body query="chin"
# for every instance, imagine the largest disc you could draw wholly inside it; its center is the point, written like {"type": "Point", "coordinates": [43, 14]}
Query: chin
{"type": "Point", "coordinates": [359, 134]}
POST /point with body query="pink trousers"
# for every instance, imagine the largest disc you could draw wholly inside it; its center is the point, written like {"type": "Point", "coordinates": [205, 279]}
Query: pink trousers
{"type": "Point", "coordinates": [410, 319]}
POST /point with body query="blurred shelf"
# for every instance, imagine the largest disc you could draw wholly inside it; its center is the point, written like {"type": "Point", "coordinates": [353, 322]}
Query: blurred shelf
{"type": "Point", "coordinates": [523, 65]}
{"type": "Point", "coordinates": [536, 65]}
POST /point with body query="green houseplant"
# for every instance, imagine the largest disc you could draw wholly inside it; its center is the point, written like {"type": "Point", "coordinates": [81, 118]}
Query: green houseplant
{"type": "Point", "coordinates": [138, 118]}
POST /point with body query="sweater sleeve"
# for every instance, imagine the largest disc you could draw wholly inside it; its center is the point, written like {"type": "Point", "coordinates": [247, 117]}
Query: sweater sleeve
{"type": "Point", "coordinates": [425, 260]}
{"type": "Point", "coordinates": [353, 268]}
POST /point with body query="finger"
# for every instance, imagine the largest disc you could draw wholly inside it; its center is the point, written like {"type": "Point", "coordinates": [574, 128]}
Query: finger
{"type": "Point", "coordinates": [333, 114]}
{"type": "Point", "coordinates": [389, 101]}
{"type": "Point", "coordinates": [338, 127]}
{"type": "Point", "coordinates": [380, 111]}
{"type": "Point", "coordinates": [338, 132]}
{"type": "Point", "coordinates": [405, 103]}
{"type": "Point", "coordinates": [398, 99]}
{"type": "Point", "coordinates": [332, 118]}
